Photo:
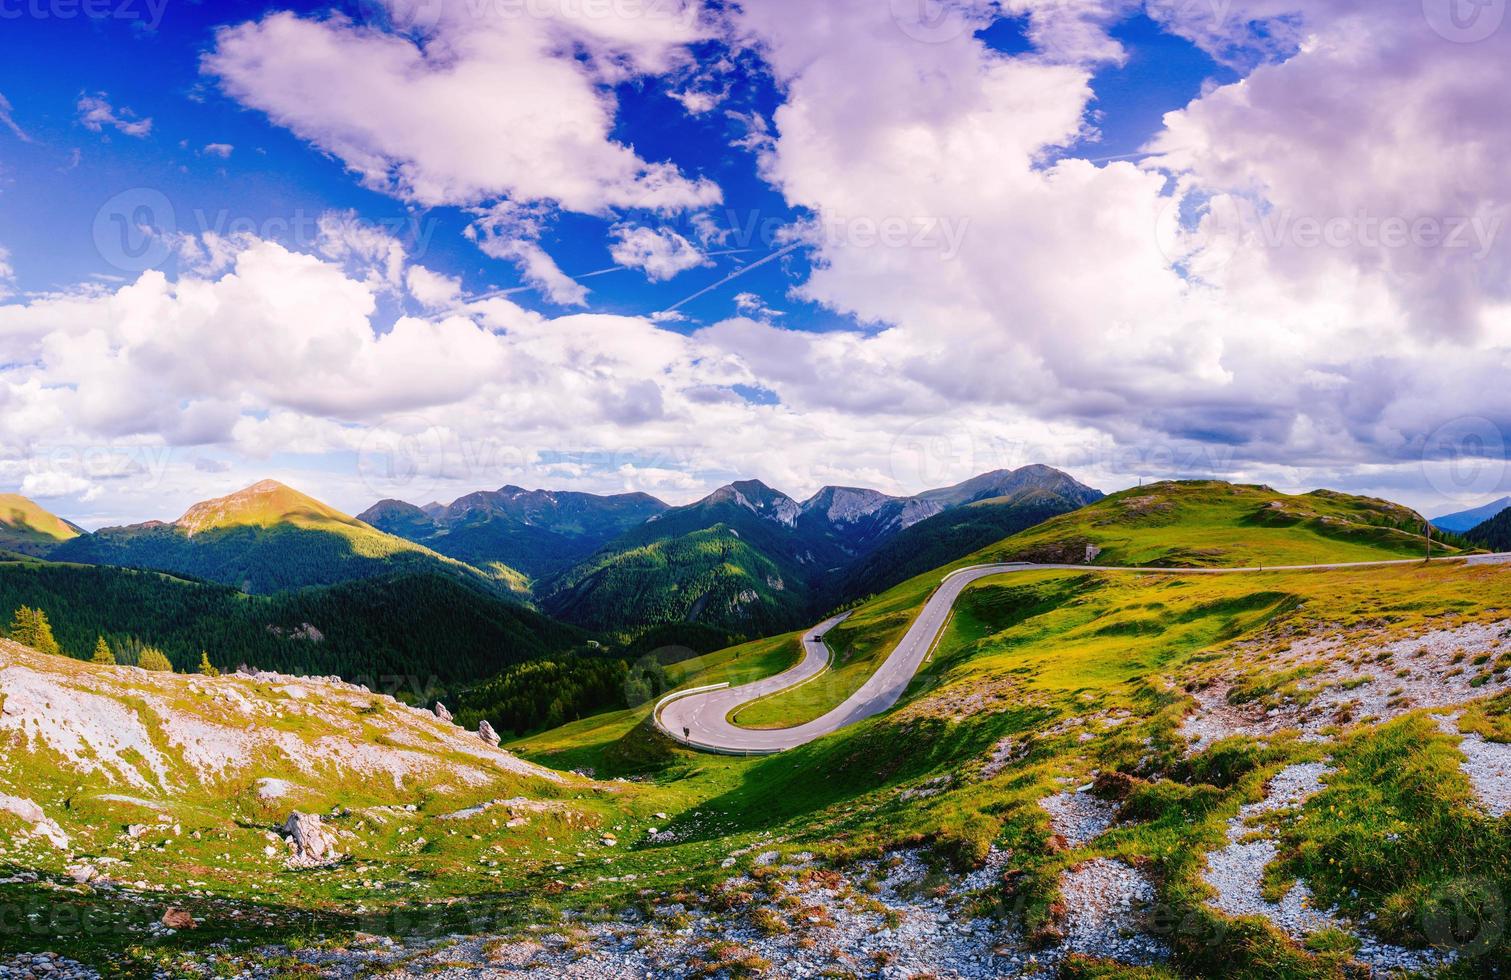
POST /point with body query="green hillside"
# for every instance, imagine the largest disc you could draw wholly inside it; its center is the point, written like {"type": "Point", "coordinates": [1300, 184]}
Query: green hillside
{"type": "Point", "coordinates": [1152, 707]}
{"type": "Point", "coordinates": [270, 538]}
{"type": "Point", "coordinates": [715, 577]}
{"type": "Point", "coordinates": [409, 632]}
{"type": "Point", "coordinates": [1046, 680]}
{"type": "Point", "coordinates": [1175, 525]}
{"type": "Point", "coordinates": [1210, 524]}
{"type": "Point", "coordinates": [1494, 534]}
{"type": "Point", "coordinates": [27, 528]}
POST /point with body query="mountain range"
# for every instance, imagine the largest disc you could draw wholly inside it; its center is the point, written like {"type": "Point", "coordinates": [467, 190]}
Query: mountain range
{"type": "Point", "coordinates": [270, 538]}
{"type": "Point", "coordinates": [1468, 520]}
{"type": "Point", "coordinates": [539, 532]}
{"type": "Point", "coordinates": [743, 561]}
{"type": "Point", "coordinates": [749, 559]}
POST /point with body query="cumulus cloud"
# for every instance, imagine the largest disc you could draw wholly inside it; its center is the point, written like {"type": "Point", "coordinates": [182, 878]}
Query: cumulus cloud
{"type": "Point", "coordinates": [431, 289]}
{"type": "Point", "coordinates": [96, 113]}
{"type": "Point", "coordinates": [222, 150]}
{"type": "Point", "coordinates": [291, 358]}
{"type": "Point", "coordinates": [660, 252]}
{"type": "Point", "coordinates": [490, 106]}
{"type": "Point", "coordinates": [1152, 302]}
{"type": "Point", "coordinates": [1237, 304]}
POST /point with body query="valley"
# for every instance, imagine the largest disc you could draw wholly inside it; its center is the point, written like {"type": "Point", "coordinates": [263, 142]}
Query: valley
{"type": "Point", "coordinates": [1231, 766]}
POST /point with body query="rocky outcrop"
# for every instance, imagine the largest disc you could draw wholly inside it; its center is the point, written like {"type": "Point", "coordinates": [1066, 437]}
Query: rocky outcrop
{"type": "Point", "coordinates": [41, 825]}
{"type": "Point", "coordinates": [442, 713]}
{"type": "Point", "coordinates": [486, 733]}
{"type": "Point", "coordinates": [312, 844]}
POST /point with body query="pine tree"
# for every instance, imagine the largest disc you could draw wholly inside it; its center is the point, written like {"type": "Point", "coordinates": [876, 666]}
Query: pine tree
{"type": "Point", "coordinates": [205, 667]}
{"type": "Point", "coordinates": [154, 659]}
{"type": "Point", "coordinates": [29, 627]}
{"type": "Point", "coordinates": [102, 654]}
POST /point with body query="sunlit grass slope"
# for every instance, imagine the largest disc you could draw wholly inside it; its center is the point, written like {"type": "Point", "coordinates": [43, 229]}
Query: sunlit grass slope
{"type": "Point", "coordinates": [1187, 524]}
{"type": "Point", "coordinates": [27, 528]}
{"type": "Point", "coordinates": [1210, 524]}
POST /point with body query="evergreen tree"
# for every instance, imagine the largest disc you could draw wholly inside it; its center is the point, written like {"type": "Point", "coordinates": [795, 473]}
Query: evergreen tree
{"type": "Point", "coordinates": [30, 628]}
{"type": "Point", "coordinates": [154, 659]}
{"type": "Point", "coordinates": [102, 654]}
{"type": "Point", "coordinates": [205, 667]}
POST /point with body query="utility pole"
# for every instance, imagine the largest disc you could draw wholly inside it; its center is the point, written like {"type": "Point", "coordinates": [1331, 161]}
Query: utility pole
{"type": "Point", "coordinates": [1428, 528]}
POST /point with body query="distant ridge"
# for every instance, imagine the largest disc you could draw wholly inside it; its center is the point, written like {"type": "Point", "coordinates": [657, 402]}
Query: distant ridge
{"type": "Point", "coordinates": [748, 559]}
{"type": "Point", "coordinates": [539, 532]}
{"type": "Point", "coordinates": [1467, 520]}
{"type": "Point", "coordinates": [269, 538]}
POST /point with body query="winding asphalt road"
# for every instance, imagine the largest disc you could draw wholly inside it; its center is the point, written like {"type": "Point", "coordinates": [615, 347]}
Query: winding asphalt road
{"type": "Point", "coordinates": [700, 718]}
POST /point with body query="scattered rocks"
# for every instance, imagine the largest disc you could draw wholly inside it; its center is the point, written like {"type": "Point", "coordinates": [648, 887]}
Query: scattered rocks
{"type": "Point", "coordinates": [1488, 766]}
{"type": "Point", "coordinates": [1107, 909]}
{"type": "Point", "coordinates": [35, 966]}
{"type": "Point", "coordinates": [269, 790]}
{"type": "Point", "coordinates": [1374, 677]}
{"type": "Point", "coordinates": [1079, 817]}
{"type": "Point", "coordinates": [1236, 874]}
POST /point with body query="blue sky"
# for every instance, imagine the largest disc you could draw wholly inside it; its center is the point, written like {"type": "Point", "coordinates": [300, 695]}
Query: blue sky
{"type": "Point", "coordinates": [55, 185]}
{"type": "Point", "coordinates": [1086, 269]}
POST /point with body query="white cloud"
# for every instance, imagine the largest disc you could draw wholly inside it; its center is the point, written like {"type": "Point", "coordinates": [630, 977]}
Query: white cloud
{"type": "Point", "coordinates": [222, 150]}
{"type": "Point", "coordinates": [347, 238]}
{"type": "Point", "coordinates": [489, 107]}
{"type": "Point", "coordinates": [602, 402]}
{"type": "Point", "coordinates": [1119, 320]}
{"type": "Point", "coordinates": [96, 113]}
{"type": "Point", "coordinates": [8, 120]}
{"type": "Point", "coordinates": [1079, 293]}
{"type": "Point", "coordinates": [660, 252]}
{"type": "Point", "coordinates": [433, 290]}
{"type": "Point", "coordinates": [7, 273]}
{"type": "Point", "coordinates": [54, 485]}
